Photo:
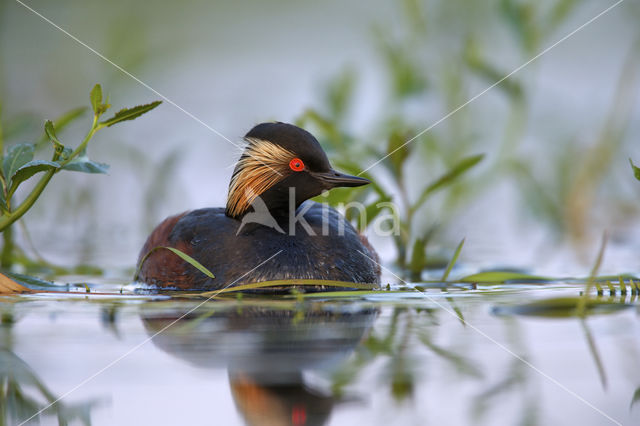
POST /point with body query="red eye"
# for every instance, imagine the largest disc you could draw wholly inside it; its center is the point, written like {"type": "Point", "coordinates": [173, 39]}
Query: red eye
{"type": "Point", "coordinates": [296, 165]}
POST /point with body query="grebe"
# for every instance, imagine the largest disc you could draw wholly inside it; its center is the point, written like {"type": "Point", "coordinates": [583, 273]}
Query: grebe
{"type": "Point", "coordinates": [269, 230]}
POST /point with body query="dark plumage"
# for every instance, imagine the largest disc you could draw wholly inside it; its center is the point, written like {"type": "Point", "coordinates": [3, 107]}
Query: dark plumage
{"type": "Point", "coordinates": [278, 157]}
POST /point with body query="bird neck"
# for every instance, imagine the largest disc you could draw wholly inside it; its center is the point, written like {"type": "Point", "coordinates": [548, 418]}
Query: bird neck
{"type": "Point", "coordinates": [279, 202]}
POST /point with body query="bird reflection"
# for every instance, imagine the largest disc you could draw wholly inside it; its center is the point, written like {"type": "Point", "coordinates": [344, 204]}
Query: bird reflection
{"type": "Point", "coordinates": [269, 351]}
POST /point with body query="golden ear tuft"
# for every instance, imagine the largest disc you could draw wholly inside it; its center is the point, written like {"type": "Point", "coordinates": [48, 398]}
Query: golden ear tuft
{"type": "Point", "coordinates": [262, 165]}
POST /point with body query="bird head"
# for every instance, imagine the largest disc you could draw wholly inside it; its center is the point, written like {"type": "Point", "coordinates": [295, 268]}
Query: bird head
{"type": "Point", "coordinates": [277, 158]}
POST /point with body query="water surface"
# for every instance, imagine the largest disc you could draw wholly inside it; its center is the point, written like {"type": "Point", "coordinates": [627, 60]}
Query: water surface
{"type": "Point", "coordinates": [474, 356]}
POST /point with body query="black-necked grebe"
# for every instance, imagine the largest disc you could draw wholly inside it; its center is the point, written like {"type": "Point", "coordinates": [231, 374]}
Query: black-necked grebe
{"type": "Point", "coordinates": [268, 216]}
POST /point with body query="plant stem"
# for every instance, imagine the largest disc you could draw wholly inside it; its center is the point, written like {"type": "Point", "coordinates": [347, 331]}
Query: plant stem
{"type": "Point", "coordinates": [9, 219]}
{"type": "Point", "coordinates": [6, 207]}
{"type": "Point", "coordinates": [94, 128]}
{"type": "Point", "coordinates": [2, 179]}
{"type": "Point", "coordinates": [6, 258]}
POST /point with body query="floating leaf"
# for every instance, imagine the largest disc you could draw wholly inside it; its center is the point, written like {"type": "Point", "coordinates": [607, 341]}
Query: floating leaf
{"type": "Point", "coordinates": [96, 99]}
{"type": "Point", "coordinates": [84, 164]}
{"type": "Point", "coordinates": [560, 307]}
{"type": "Point", "coordinates": [500, 277]}
{"type": "Point", "coordinates": [18, 156]}
{"type": "Point", "coordinates": [33, 283]}
{"type": "Point", "coordinates": [130, 113]}
{"type": "Point", "coordinates": [292, 283]}
{"type": "Point", "coordinates": [9, 286]}
{"type": "Point", "coordinates": [30, 169]}
{"type": "Point", "coordinates": [636, 170]}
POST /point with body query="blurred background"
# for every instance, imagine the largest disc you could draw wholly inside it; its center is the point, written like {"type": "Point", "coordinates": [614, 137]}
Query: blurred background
{"type": "Point", "coordinates": [364, 77]}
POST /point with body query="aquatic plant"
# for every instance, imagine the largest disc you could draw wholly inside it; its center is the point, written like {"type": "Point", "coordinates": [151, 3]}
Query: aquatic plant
{"type": "Point", "coordinates": [636, 169]}
{"type": "Point", "coordinates": [389, 187]}
{"type": "Point", "coordinates": [19, 165]}
{"type": "Point", "coordinates": [421, 77]}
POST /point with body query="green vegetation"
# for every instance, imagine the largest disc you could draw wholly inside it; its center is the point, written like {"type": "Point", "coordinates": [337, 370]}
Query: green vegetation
{"type": "Point", "coordinates": [424, 153]}
{"type": "Point", "coordinates": [636, 169]}
{"type": "Point", "coordinates": [427, 336]}
{"type": "Point", "coordinates": [19, 164]}
{"type": "Point", "coordinates": [439, 157]}
{"type": "Point", "coordinates": [184, 256]}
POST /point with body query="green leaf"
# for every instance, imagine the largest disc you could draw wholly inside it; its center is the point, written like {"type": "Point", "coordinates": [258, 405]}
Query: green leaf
{"type": "Point", "coordinates": [83, 164]}
{"type": "Point", "coordinates": [96, 99]}
{"type": "Point", "coordinates": [448, 178]}
{"type": "Point", "coordinates": [371, 212]}
{"type": "Point", "coordinates": [453, 261]}
{"type": "Point", "coordinates": [65, 153]}
{"type": "Point", "coordinates": [291, 282]}
{"type": "Point", "coordinates": [30, 169]}
{"type": "Point", "coordinates": [50, 130]}
{"type": "Point", "coordinates": [560, 307]}
{"type": "Point", "coordinates": [63, 121]}
{"type": "Point", "coordinates": [484, 68]}
{"type": "Point", "coordinates": [500, 277]}
{"type": "Point", "coordinates": [636, 170]}
{"type": "Point", "coordinates": [635, 399]}
{"type": "Point", "coordinates": [326, 126]}
{"type": "Point", "coordinates": [17, 156]}
{"type": "Point", "coordinates": [559, 13]}
{"type": "Point", "coordinates": [130, 113]}
{"type": "Point", "coordinates": [182, 255]}
{"type": "Point", "coordinates": [398, 151]}
{"type": "Point", "coordinates": [191, 261]}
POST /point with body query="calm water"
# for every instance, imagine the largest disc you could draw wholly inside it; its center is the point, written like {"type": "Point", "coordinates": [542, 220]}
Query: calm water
{"type": "Point", "coordinates": [397, 358]}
